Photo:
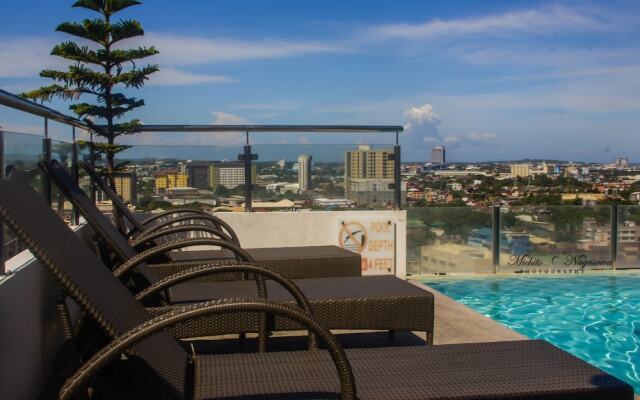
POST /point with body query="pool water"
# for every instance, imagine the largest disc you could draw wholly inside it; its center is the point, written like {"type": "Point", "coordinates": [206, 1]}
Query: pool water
{"type": "Point", "coordinates": [594, 316]}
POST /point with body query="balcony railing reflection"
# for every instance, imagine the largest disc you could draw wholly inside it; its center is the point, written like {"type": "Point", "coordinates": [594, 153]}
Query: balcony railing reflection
{"type": "Point", "coordinates": [541, 239]}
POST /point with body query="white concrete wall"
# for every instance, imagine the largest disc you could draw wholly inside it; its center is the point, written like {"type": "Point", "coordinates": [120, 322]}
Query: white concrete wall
{"type": "Point", "coordinates": [30, 332]}
{"type": "Point", "coordinates": [314, 228]}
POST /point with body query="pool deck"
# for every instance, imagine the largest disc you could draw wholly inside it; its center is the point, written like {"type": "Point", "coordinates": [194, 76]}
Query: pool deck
{"type": "Point", "coordinates": [457, 323]}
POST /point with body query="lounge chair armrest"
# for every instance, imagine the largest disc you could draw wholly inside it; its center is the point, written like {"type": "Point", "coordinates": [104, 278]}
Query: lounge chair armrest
{"type": "Point", "coordinates": [167, 213]}
{"type": "Point", "coordinates": [124, 342]}
{"type": "Point", "coordinates": [148, 237]}
{"type": "Point", "coordinates": [179, 244]}
{"type": "Point", "coordinates": [212, 269]}
{"type": "Point", "coordinates": [217, 222]}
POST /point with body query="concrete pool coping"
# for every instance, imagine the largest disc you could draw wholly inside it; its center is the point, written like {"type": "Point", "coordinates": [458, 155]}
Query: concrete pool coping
{"type": "Point", "coordinates": [457, 323]}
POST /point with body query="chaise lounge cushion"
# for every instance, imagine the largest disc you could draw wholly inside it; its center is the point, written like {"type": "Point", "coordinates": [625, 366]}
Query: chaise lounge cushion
{"type": "Point", "coordinates": [291, 262]}
{"type": "Point", "coordinates": [375, 302]}
{"type": "Point", "coordinates": [530, 369]}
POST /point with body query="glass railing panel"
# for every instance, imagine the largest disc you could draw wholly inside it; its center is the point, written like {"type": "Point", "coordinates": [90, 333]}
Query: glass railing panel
{"type": "Point", "coordinates": [165, 176]}
{"type": "Point", "coordinates": [628, 252]}
{"type": "Point", "coordinates": [555, 239]}
{"type": "Point", "coordinates": [21, 151]}
{"type": "Point", "coordinates": [84, 154]}
{"type": "Point", "coordinates": [444, 240]}
{"type": "Point", "coordinates": [61, 151]}
{"type": "Point", "coordinates": [315, 176]}
{"type": "Point", "coordinates": [216, 176]}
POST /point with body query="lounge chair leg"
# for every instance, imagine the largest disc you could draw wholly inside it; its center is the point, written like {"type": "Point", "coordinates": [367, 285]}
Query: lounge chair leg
{"type": "Point", "coordinates": [242, 338]}
{"type": "Point", "coordinates": [63, 315]}
{"type": "Point", "coordinates": [262, 342]}
{"type": "Point", "coordinates": [429, 336]}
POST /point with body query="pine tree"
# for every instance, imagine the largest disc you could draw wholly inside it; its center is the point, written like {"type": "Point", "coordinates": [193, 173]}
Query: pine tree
{"type": "Point", "coordinates": [97, 70]}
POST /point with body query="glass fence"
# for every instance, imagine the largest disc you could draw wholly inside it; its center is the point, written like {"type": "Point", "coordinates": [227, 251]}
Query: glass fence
{"type": "Point", "coordinates": [306, 177]}
{"type": "Point", "coordinates": [628, 227]}
{"type": "Point", "coordinates": [283, 176]}
{"type": "Point", "coordinates": [530, 240]}
{"type": "Point", "coordinates": [449, 240]}
{"type": "Point", "coordinates": [555, 238]}
{"type": "Point", "coordinates": [22, 151]}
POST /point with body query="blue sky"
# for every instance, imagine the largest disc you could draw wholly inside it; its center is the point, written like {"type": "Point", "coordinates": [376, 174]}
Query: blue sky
{"type": "Point", "coordinates": [489, 80]}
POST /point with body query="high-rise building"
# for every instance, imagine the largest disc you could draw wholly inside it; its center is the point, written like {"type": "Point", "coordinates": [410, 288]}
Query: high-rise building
{"type": "Point", "coordinates": [229, 174]}
{"type": "Point", "coordinates": [170, 179]}
{"type": "Point", "coordinates": [198, 173]}
{"type": "Point", "coordinates": [548, 169]}
{"type": "Point", "coordinates": [368, 175]}
{"type": "Point", "coordinates": [570, 170]}
{"type": "Point", "coordinates": [304, 172]}
{"type": "Point", "coordinates": [520, 170]}
{"type": "Point", "coordinates": [366, 163]}
{"type": "Point", "coordinates": [126, 186]}
{"type": "Point", "coordinates": [438, 155]}
{"type": "Point", "coordinates": [621, 162]}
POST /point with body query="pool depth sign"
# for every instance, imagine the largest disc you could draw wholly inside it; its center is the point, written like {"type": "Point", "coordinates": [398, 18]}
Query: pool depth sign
{"type": "Point", "coordinates": [374, 239]}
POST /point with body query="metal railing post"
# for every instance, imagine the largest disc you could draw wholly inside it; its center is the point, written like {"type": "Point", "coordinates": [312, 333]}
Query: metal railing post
{"type": "Point", "coordinates": [2, 265]}
{"type": "Point", "coordinates": [495, 243]}
{"type": "Point", "coordinates": [614, 235]}
{"type": "Point", "coordinates": [247, 157]}
{"type": "Point", "coordinates": [397, 175]}
{"type": "Point", "coordinates": [74, 171]}
{"type": "Point", "coordinates": [92, 162]}
{"type": "Point", "coordinates": [46, 157]}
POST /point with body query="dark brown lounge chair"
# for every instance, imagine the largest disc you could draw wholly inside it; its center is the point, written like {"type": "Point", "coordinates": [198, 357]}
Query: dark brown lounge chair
{"type": "Point", "coordinates": [292, 262]}
{"type": "Point", "coordinates": [363, 303]}
{"type": "Point", "coordinates": [158, 367]}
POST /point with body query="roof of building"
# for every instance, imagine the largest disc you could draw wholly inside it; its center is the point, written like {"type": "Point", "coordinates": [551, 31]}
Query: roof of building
{"type": "Point", "coordinates": [284, 203]}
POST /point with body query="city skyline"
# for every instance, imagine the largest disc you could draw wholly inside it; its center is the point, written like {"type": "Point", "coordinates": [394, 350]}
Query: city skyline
{"type": "Point", "coordinates": [491, 81]}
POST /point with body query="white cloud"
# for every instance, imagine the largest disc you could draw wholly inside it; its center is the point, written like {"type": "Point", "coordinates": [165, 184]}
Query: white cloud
{"type": "Point", "coordinates": [223, 118]}
{"type": "Point", "coordinates": [283, 105]}
{"type": "Point", "coordinates": [451, 139]}
{"type": "Point", "coordinates": [430, 139]}
{"type": "Point", "coordinates": [194, 50]}
{"type": "Point", "coordinates": [528, 21]}
{"type": "Point", "coordinates": [482, 136]}
{"type": "Point", "coordinates": [26, 57]}
{"type": "Point", "coordinates": [174, 77]}
{"type": "Point", "coordinates": [196, 139]}
{"type": "Point", "coordinates": [422, 114]}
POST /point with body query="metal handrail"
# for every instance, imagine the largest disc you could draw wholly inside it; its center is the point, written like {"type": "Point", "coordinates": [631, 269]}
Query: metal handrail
{"type": "Point", "coordinates": [272, 128]}
{"type": "Point", "coordinates": [28, 106]}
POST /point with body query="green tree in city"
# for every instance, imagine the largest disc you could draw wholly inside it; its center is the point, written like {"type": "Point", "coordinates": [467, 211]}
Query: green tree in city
{"type": "Point", "coordinates": [97, 71]}
{"type": "Point", "coordinates": [567, 221]}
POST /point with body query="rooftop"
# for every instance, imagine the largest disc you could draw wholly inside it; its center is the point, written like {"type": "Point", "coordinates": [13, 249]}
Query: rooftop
{"type": "Point", "coordinates": [354, 242]}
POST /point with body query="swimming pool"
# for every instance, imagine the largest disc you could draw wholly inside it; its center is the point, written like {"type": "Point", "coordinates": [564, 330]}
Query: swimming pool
{"type": "Point", "coordinates": [593, 316]}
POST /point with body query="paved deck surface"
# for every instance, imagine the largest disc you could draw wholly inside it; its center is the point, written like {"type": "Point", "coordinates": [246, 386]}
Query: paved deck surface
{"type": "Point", "coordinates": [457, 323]}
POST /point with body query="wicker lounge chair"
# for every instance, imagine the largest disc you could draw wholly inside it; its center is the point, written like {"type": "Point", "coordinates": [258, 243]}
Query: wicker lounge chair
{"type": "Point", "coordinates": [292, 262]}
{"type": "Point", "coordinates": [362, 303]}
{"type": "Point", "coordinates": [157, 366]}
